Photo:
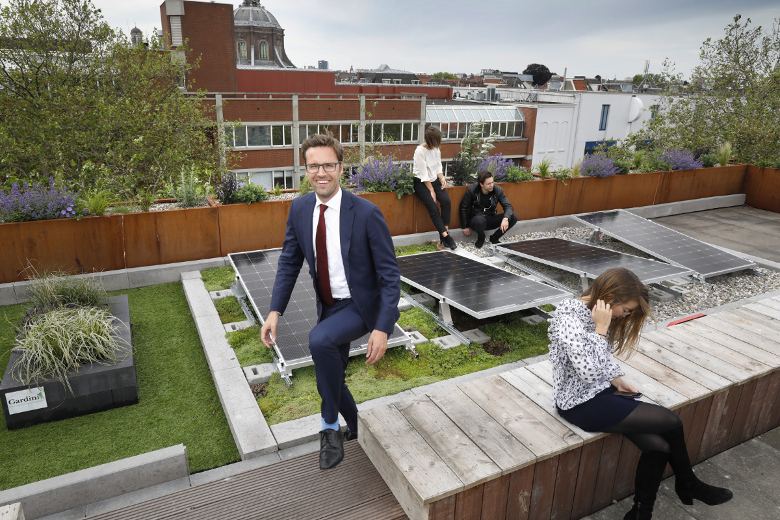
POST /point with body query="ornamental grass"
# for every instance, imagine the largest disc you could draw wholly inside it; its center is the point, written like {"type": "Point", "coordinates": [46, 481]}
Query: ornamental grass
{"type": "Point", "coordinates": [52, 288]}
{"type": "Point", "coordinates": [62, 340]}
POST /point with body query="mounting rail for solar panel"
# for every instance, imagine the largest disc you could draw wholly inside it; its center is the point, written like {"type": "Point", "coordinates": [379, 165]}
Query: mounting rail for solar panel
{"type": "Point", "coordinates": [585, 274]}
{"type": "Point", "coordinates": [286, 366]}
{"type": "Point", "coordinates": [496, 311]}
{"type": "Point", "coordinates": [701, 277]}
{"type": "Point", "coordinates": [531, 271]}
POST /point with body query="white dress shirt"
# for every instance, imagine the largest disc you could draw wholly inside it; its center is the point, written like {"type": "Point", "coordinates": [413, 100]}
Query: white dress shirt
{"type": "Point", "coordinates": [338, 278]}
{"type": "Point", "coordinates": [427, 163]}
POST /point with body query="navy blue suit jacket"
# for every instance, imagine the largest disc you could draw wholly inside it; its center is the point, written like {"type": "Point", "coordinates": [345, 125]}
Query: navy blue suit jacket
{"type": "Point", "coordinates": [373, 276]}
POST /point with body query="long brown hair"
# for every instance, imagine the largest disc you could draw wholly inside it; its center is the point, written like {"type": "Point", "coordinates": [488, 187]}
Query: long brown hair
{"type": "Point", "coordinates": [621, 286]}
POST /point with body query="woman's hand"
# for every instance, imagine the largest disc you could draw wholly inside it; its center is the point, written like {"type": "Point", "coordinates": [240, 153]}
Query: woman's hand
{"type": "Point", "coordinates": [443, 181]}
{"type": "Point", "coordinates": [602, 316]}
{"type": "Point", "coordinates": [433, 195]}
{"type": "Point", "coordinates": [622, 386]}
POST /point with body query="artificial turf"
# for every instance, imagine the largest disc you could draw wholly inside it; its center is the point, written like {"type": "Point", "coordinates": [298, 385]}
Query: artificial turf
{"type": "Point", "coordinates": [178, 403]}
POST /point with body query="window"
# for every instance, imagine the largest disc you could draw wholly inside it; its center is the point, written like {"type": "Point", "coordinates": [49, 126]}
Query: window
{"type": "Point", "coordinates": [241, 50]}
{"type": "Point", "coordinates": [392, 132]}
{"type": "Point", "coordinates": [263, 50]}
{"type": "Point", "coordinates": [604, 117]}
{"type": "Point", "coordinates": [654, 110]}
{"type": "Point", "coordinates": [590, 146]}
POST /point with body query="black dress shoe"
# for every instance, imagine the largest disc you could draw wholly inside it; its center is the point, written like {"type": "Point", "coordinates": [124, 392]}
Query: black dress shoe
{"type": "Point", "coordinates": [350, 436]}
{"type": "Point", "coordinates": [331, 448]}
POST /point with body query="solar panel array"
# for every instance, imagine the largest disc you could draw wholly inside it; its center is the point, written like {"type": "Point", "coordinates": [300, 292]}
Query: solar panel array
{"type": "Point", "coordinates": [478, 289]}
{"type": "Point", "coordinates": [256, 272]}
{"type": "Point", "coordinates": [665, 243]}
{"type": "Point", "coordinates": [591, 260]}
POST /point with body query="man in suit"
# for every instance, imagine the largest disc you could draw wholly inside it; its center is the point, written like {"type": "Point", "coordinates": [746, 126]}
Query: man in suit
{"type": "Point", "coordinates": [346, 242]}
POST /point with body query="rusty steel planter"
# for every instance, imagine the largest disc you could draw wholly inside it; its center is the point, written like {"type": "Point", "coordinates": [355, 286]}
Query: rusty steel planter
{"type": "Point", "coordinates": [700, 183]}
{"type": "Point", "coordinates": [586, 194]}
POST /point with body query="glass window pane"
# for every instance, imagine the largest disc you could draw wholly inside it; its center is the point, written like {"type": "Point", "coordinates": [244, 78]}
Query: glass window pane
{"type": "Point", "coordinates": [475, 115]}
{"type": "Point", "coordinates": [519, 129]}
{"type": "Point", "coordinates": [355, 132]}
{"type": "Point", "coordinates": [453, 133]}
{"type": "Point", "coordinates": [444, 128]}
{"type": "Point", "coordinates": [346, 134]}
{"type": "Point", "coordinates": [440, 115]}
{"type": "Point", "coordinates": [302, 134]}
{"type": "Point", "coordinates": [510, 131]}
{"type": "Point", "coordinates": [229, 139]}
{"type": "Point", "coordinates": [277, 135]}
{"type": "Point", "coordinates": [240, 135]}
{"type": "Point", "coordinates": [492, 114]}
{"type": "Point", "coordinates": [288, 179]}
{"type": "Point", "coordinates": [502, 129]}
{"type": "Point", "coordinates": [258, 136]}
{"type": "Point", "coordinates": [430, 115]}
{"type": "Point", "coordinates": [415, 132]}
{"type": "Point", "coordinates": [392, 132]}
{"type": "Point", "coordinates": [483, 114]}
{"type": "Point", "coordinates": [461, 130]}
{"type": "Point", "coordinates": [450, 115]}
{"type": "Point", "coordinates": [279, 179]}
{"type": "Point", "coordinates": [264, 179]}
{"type": "Point", "coordinates": [406, 132]}
{"type": "Point", "coordinates": [288, 135]}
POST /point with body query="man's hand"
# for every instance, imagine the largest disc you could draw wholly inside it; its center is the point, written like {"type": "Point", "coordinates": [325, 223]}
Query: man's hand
{"type": "Point", "coordinates": [504, 225]}
{"type": "Point", "coordinates": [622, 386]}
{"type": "Point", "coordinates": [467, 231]}
{"type": "Point", "coordinates": [268, 331]}
{"type": "Point", "coordinates": [377, 345]}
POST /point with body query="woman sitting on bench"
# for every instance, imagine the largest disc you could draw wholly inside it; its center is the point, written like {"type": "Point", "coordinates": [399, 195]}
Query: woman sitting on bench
{"type": "Point", "coordinates": [590, 393]}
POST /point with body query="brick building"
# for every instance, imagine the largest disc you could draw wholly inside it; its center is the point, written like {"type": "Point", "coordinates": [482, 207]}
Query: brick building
{"type": "Point", "coordinates": [271, 108]}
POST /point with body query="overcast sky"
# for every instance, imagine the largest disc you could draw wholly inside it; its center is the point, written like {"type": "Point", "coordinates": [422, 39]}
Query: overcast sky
{"type": "Point", "coordinates": [606, 37]}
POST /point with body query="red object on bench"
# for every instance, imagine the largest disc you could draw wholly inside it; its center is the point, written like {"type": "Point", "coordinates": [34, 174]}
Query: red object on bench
{"type": "Point", "coordinates": [689, 318]}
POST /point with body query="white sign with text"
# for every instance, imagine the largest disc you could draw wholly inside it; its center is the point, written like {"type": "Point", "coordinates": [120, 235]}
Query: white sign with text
{"type": "Point", "coordinates": [25, 400]}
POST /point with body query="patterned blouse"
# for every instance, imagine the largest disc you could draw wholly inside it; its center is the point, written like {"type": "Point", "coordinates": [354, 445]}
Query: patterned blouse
{"type": "Point", "coordinates": [581, 359]}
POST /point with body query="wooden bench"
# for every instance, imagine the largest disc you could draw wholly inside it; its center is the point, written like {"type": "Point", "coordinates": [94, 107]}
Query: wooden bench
{"type": "Point", "coordinates": [494, 448]}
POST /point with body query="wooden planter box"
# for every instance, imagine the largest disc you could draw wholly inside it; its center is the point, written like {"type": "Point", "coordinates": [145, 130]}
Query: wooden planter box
{"type": "Point", "coordinates": [762, 187]}
{"type": "Point", "coordinates": [249, 227]}
{"type": "Point", "coordinates": [586, 194]}
{"type": "Point", "coordinates": [95, 387]}
{"type": "Point", "coordinates": [681, 185]}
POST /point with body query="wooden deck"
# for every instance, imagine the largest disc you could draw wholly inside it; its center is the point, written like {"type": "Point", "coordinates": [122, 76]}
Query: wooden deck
{"type": "Point", "coordinates": [295, 489]}
{"type": "Point", "coordinates": [494, 449]}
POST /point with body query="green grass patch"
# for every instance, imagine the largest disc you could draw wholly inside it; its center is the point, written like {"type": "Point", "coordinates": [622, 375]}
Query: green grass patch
{"type": "Point", "coordinates": [248, 347]}
{"type": "Point", "coordinates": [547, 307]}
{"type": "Point", "coordinates": [399, 370]}
{"type": "Point", "coordinates": [414, 249]}
{"type": "Point", "coordinates": [178, 401]}
{"type": "Point", "coordinates": [229, 310]}
{"type": "Point", "coordinates": [218, 278]}
{"type": "Point", "coordinates": [419, 320]}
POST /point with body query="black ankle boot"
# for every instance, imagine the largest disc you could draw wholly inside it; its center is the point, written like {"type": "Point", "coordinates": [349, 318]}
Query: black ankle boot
{"type": "Point", "coordinates": [686, 484]}
{"type": "Point", "coordinates": [649, 472]}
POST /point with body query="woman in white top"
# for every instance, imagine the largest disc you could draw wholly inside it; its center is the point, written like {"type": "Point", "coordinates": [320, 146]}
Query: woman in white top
{"type": "Point", "coordinates": [429, 184]}
{"type": "Point", "coordinates": [589, 390]}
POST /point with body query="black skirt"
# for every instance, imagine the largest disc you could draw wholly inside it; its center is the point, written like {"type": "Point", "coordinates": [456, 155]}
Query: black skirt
{"type": "Point", "coordinates": [600, 413]}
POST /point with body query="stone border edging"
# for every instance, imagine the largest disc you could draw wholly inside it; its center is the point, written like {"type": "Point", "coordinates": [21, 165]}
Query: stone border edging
{"type": "Point", "coordinates": [251, 433]}
{"type": "Point", "coordinates": [77, 489]}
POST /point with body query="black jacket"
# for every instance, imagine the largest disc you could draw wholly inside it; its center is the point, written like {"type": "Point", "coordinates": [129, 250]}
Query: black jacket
{"type": "Point", "coordinates": [469, 206]}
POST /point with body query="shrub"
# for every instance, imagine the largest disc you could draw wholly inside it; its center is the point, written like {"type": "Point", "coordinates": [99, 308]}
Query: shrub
{"type": "Point", "coordinates": [517, 174]}
{"type": "Point", "coordinates": [461, 172]}
{"type": "Point", "coordinates": [226, 191]}
{"type": "Point", "coordinates": [623, 167]}
{"type": "Point", "coordinates": [495, 164]}
{"type": "Point", "coordinates": [543, 167]}
{"type": "Point", "coordinates": [250, 193]}
{"type": "Point", "coordinates": [188, 193]}
{"type": "Point", "coordinates": [562, 174]}
{"type": "Point", "coordinates": [305, 186]}
{"type": "Point", "coordinates": [597, 165]}
{"type": "Point", "coordinates": [64, 339]}
{"type": "Point", "coordinates": [53, 288]}
{"type": "Point", "coordinates": [380, 174]}
{"type": "Point", "coordinates": [708, 160]}
{"type": "Point", "coordinates": [679, 160]}
{"type": "Point", "coordinates": [36, 202]}
{"type": "Point", "coordinates": [96, 202]}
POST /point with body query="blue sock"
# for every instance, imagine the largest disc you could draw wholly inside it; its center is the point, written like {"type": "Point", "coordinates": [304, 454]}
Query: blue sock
{"type": "Point", "coordinates": [332, 426]}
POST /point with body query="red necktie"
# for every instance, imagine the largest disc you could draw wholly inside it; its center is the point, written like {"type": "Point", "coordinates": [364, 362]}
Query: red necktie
{"type": "Point", "coordinates": [323, 277]}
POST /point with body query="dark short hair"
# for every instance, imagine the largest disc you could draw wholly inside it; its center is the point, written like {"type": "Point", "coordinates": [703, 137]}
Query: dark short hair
{"type": "Point", "coordinates": [482, 176]}
{"type": "Point", "coordinates": [320, 140]}
{"type": "Point", "coordinates": [433, 136]}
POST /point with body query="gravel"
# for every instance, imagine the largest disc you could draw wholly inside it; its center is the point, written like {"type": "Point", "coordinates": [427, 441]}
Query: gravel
{"type": "Point", "coordinates": [716, 291]}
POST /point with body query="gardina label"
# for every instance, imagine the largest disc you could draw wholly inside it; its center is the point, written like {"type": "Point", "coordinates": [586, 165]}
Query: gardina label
{"type": "Point", "coordinates": [25, 400]}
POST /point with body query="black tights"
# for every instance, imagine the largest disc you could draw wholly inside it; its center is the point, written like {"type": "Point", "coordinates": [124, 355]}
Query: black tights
{"type": "Point", "coordinates": [645, 426]}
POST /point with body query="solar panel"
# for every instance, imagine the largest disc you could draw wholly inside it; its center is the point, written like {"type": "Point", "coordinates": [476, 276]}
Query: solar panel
{"type": "Point", "coordinates": [590, 261]}
{"type": "Point", "coordinates": [476, 288]}
{"type": "Point", "coordinates": [665, 243]}
{"type": "Point", "coordinates": [256, 272]}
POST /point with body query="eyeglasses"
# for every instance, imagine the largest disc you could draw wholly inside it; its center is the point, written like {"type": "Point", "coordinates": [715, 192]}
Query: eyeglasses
{"type": "Point", "coordinates": [329, 167]}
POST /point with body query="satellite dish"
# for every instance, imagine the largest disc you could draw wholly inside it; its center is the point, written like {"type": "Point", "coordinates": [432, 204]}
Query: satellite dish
{"type": "Point", "coordinates": [635, 109]}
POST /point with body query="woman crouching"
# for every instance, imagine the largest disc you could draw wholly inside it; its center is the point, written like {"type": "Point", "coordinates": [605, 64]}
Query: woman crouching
{"type": "Point", "coordinates": [589, 391]}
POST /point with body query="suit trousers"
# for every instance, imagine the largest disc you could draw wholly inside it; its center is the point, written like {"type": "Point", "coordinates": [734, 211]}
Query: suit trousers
{"type": "Point", "coordinates": [440, 219]}
{"type": "Point", "coordinates": [329, 342]}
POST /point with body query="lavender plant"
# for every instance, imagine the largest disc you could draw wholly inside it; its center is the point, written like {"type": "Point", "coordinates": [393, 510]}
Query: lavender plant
{"type": "Point", "coordinates": [380, 174]}
{"type": "Point", "coordinates": [495, 164]}
{"type": "Point", "coordinates": [36, 202]}
{"type": "Point", "coordinates": [678, 159]}
{"type": "Point", "coordinates": [597, 165]}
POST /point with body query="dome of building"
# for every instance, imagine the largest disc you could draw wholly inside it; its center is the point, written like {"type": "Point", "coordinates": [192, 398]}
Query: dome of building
{"type": "Point", "coordinates": [251, 13]}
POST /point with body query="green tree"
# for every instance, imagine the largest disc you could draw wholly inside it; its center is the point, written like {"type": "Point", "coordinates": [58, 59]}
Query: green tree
{"type": "Point", "coordinates": [540, 73]}
{"type": "Point", "coordinates": [444, 75]}
{"type": "Point", "coordinates": [733, 96]}
{"type": "Point", "coordinates": [79, 102]}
